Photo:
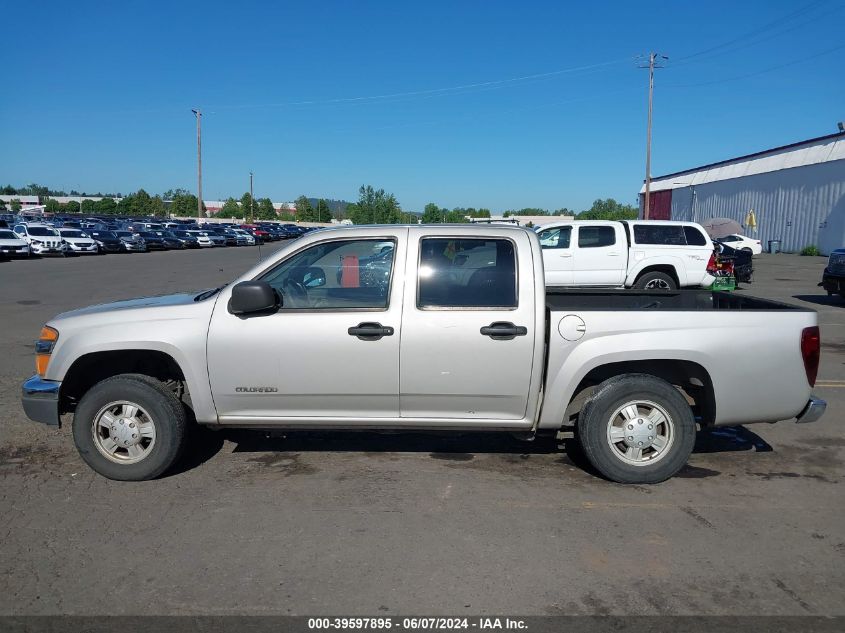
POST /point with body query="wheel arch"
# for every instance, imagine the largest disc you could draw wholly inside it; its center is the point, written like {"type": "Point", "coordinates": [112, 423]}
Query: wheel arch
{"type": "Point", "coordinates": [667, 269]}
{"type": "Point", "coordinates": [89, 369]}
{"type": "Point", "coordinates": [692, 378]}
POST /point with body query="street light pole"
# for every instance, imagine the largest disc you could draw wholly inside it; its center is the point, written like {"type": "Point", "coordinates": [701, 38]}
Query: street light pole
{"type": "Point", "coordinates": [251, 206]}
{"type": "Point", "coordinates": [198, 114]}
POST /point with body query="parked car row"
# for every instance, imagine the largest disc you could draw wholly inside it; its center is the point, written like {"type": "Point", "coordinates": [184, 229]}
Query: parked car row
{"type": "Point", "coordinates": [62, 236]}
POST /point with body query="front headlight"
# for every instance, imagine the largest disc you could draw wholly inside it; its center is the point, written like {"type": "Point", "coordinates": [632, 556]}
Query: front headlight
{"type": "Point", "coordinates": [36, 241]}
{"type": "Point", "coordinates": [44, 348]}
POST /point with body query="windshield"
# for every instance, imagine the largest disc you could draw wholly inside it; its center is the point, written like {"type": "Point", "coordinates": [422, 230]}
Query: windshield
{"type": "Point", "coordinates": [41, 231]}
{"type": "Point", "coordinates": [7, 235]}
{"type": "Point", "coordinates": [72, 233]}
{"type": "Point", "coordinates": [124, 234]}
{"type": "Point", "coordinates": [104, 234]}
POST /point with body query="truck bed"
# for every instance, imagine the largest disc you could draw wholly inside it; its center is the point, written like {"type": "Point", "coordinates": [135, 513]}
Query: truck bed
{"type": "Point", "coordinates": [558, 299]}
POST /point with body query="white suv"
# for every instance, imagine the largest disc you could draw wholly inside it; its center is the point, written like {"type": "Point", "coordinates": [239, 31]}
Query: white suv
{"type": "Point", "coordinates": [42, 239]}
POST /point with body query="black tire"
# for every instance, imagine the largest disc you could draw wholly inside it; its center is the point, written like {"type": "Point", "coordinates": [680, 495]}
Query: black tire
{"type": "Point", "coordinates": [664, 281]}
{"type": "Point", "coordinates": [745, 249]}
{"type": "Point", "coordinates": [165, 409]}
{"type": "Point", "coordinates": [597, 415]}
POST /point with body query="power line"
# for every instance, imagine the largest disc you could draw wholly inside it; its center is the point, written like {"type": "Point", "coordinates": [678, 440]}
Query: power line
{"type": "Point", "coordinates": [759, 72]}
{"type": "Point", "coordinates": [760, 40]}
{"type": "Point", "coordinates": [428, 92]}
{"type": "Point", "coordinates": [774, 23]}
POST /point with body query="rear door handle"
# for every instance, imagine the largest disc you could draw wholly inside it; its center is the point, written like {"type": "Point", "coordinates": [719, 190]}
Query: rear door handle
{"type": "Point", "coordinates": [368, 331]}
{"type": "Point", "coordinates": [503, 330]}
{"type": "Point", "coordinates": [565, 254]}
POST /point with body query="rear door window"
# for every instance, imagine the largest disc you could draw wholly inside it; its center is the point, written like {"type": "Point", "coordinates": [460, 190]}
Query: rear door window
{"type": "Point", "coordinates": [596, 236]}
{"type": "Point", "coordinates": [467, 273]}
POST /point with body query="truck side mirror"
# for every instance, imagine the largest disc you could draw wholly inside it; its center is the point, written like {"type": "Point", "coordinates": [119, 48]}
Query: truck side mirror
{"type": "Point", "coordinates": [253, 297]}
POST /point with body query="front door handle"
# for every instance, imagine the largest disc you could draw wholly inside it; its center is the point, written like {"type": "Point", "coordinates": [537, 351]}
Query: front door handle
{"type": "Point", "coordinates": [503, 330]}
{"type": "Point", "coordinates": [370, 331]}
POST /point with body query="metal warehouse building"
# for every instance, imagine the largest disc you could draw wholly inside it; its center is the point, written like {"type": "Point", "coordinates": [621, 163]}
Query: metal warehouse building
{"type": "Point", "coordinates": [797, 193]}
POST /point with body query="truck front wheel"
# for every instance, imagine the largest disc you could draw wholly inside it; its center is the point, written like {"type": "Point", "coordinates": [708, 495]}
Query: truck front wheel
{"type": "Point", "coordinates": [636, 429]}
{"type": "Point", "coordinates": [129, 427]}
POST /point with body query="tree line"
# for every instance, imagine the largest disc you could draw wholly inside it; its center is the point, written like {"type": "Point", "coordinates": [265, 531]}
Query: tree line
{"type": "Point", "coordinates": [374, 206]}
{"type": "Point", "coordinates": [607, 209]}
{"type": "Point", "coordinates": [41, 191]}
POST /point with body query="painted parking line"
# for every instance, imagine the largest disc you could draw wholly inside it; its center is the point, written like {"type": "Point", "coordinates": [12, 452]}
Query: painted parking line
{"type": "Point", "coordinates": [831, 384]}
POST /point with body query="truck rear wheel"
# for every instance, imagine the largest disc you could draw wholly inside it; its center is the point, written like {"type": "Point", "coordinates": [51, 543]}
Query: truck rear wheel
{"type": "Point", "coordinates": [129, 427]}
{"type": "Point", "coordinates": [656, 280]}
{"type": "Point", "coordinates": [636, 429]}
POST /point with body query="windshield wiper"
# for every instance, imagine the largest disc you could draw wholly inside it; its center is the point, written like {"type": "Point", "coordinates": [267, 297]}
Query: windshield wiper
{"type": "Point", "coordinates": [208, 293]}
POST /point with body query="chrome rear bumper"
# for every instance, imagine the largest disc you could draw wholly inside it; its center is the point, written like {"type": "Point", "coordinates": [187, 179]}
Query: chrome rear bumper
{"type": "Point", "coordinates": [813, 411]}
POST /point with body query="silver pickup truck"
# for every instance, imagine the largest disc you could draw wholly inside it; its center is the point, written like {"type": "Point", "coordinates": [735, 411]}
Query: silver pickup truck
{"type": "Point", "coordinates": [447, 328]}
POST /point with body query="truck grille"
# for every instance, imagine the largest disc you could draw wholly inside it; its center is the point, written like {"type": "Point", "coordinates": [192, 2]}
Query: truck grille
{"type": "Point", "coordinates": [836, 264]}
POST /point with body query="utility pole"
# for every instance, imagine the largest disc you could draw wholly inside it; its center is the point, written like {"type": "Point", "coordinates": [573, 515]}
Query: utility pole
{"type": "Point", "coordinates": [251, 201]}
{"type": "Point", "coordinates": [652, 59]}
{"type": "Point", "coordinates": [198, 114]}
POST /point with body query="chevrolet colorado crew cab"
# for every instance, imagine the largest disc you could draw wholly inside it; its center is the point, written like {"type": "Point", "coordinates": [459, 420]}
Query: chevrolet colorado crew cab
{"type": "Point", "coordinates": [650, 254]}
{"type": "Point", "coordinates": [437, 328]}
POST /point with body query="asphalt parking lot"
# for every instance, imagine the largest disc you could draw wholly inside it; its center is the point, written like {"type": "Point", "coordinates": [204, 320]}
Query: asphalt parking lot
{"type": "Point", "coordinates": [410, 524]}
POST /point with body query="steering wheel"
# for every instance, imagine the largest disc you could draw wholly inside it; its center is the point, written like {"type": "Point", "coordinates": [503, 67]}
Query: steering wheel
{"type": "Point", "coordinates": [296, 292]}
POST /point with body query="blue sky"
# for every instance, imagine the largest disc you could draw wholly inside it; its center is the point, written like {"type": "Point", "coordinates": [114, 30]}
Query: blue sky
{"type": "Point", "coordinates": [550, 112]}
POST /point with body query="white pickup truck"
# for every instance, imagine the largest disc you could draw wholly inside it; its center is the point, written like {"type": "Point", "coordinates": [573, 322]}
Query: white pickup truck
{"type": "Point", "coordinates": [647, 255]}
{"type": "Point", "coordinates": [441, 328]}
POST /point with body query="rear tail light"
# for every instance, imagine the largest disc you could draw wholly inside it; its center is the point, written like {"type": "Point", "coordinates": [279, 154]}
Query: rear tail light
{"type": "Point", "coordinates": [810, 352]}
{"type": "Point", "coordinates": [711, 263]}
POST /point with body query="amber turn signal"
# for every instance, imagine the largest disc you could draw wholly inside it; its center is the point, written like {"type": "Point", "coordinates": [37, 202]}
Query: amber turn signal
{"type": "Point", "coordinates": [48, 334]}
{"type": "Point", "coordinates": [43, 349]}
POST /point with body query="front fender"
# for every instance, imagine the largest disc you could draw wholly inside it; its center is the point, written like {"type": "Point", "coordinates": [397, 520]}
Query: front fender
{"type": "Point", "coordinates": [179, 332]}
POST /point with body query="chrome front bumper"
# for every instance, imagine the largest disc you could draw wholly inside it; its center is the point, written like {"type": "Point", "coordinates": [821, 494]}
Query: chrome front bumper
{"type": "Point", "coordinates": [813, 411]}
{"type": "Point", "coordinates": [40, 400]}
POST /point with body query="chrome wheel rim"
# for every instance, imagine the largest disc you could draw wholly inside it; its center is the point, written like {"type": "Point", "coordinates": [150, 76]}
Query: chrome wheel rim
{"type": "Point", "coordinates": [123, 432]}
{"type": "Point", "coordinates": [640, 432]}
{"type": "Point", "coordinates": [657, 284]}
